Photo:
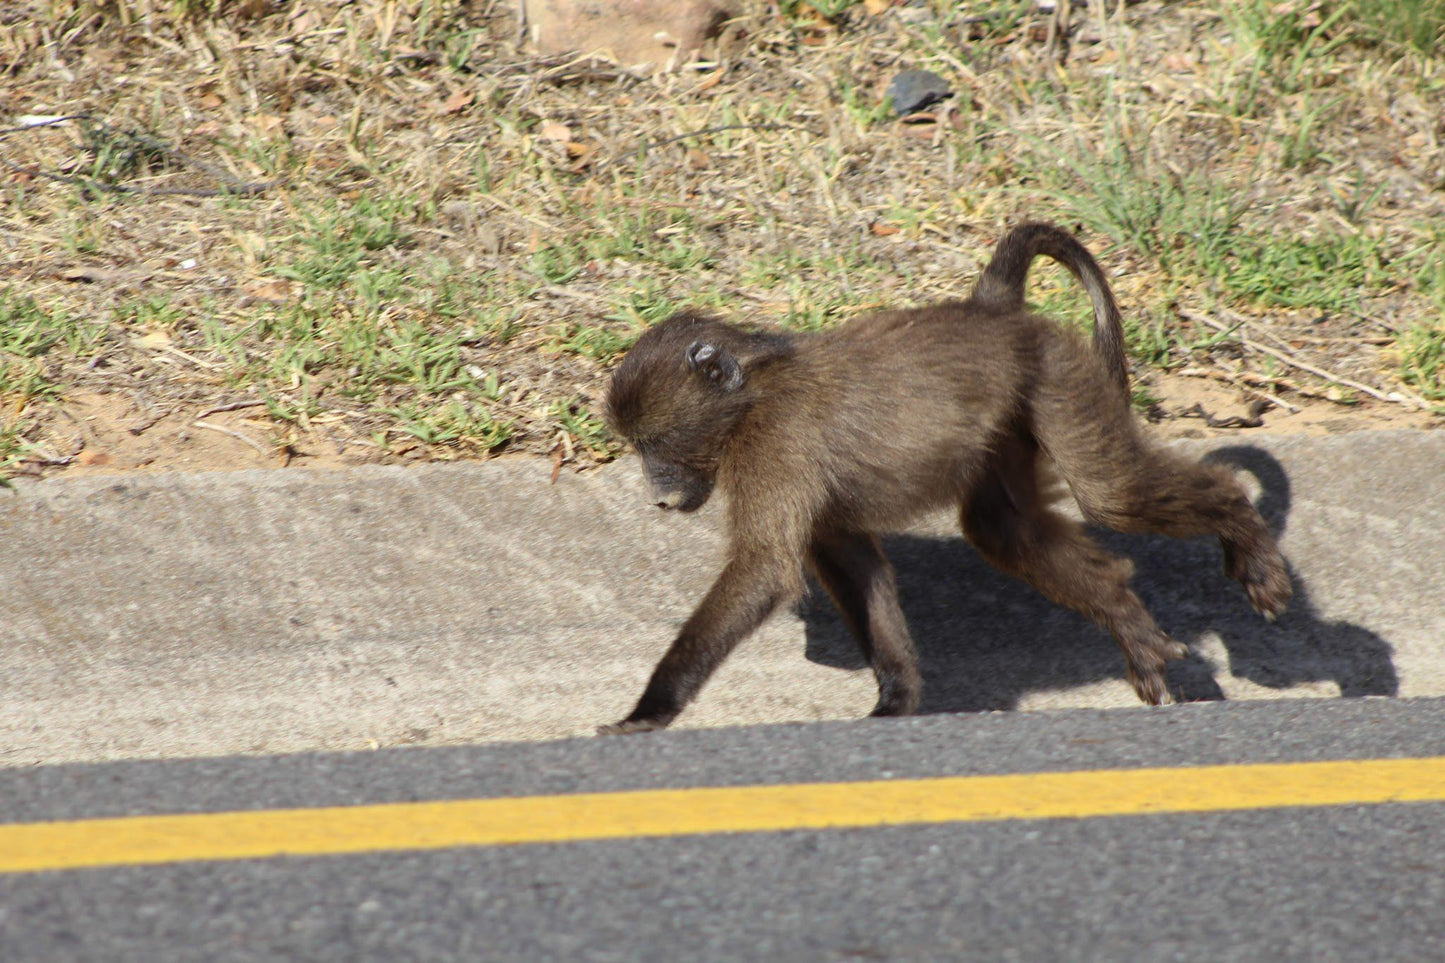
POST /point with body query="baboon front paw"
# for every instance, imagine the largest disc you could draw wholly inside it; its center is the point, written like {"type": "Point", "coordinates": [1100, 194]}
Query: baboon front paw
{"type": "Point", "coordinates": [1146, 669]}
{"type": "Point", "coordinates": [629, 726]}
{"type": "Point", "coordinates": [1150, 687]}
{"type": "Point", "coordinates": [897, 698]}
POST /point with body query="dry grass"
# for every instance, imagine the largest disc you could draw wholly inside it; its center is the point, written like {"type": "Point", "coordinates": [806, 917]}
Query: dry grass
{"type": "Point", "coordinates": [377, 230]}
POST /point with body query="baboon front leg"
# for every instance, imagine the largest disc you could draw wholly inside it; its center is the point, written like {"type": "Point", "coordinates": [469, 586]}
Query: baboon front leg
{"type": "Point", "coordinates": [1016, 533]}
{"type": "Point", "coordinates": [860, 581]}
{"type": "Point", "coordinates": [744, 595]}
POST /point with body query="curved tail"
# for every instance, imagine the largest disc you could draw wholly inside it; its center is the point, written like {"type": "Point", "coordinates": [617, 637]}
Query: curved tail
{"type": "Point", "coordinates": [1002, 284]}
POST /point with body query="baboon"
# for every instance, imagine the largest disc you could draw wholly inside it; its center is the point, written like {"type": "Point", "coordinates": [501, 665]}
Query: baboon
{"type": "Point", "coordinates": [822, 441]}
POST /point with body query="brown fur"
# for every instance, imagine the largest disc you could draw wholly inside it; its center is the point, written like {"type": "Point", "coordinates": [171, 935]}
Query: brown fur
{"type": "Point", "coordinates": [822, 441]}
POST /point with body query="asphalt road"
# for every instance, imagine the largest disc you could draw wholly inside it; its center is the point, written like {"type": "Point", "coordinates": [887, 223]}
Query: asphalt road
{"type": "Point", "coordinates": [1285, 882]}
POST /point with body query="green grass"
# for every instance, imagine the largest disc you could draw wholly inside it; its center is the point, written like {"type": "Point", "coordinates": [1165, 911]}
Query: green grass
{"type": "Point", "coordinates": [1263, 158]}
{"type": "Point", "coordinates": [1186, 220]}
{"type": "Point", "coordinates": [28, 333]}
{"type": "Point", "coordinates": [1421, 348]}
{"type": "Point", "coordinates": [339, 238]}
{"type": "Point", "coordinates": [456, 422]}
{"type": "Point", "coordinates": [1281, 43]}
{"type": "Point", "coordinates": [1422, 360]}
{"type": "Point", "coordinates": [1418, 25]}
{"type": "Point", "coordinates": [1329, 272]}
{"type": "Point", "coordinates": [830, 9]}
{"type": "Point", "coordinates": [585, 426]}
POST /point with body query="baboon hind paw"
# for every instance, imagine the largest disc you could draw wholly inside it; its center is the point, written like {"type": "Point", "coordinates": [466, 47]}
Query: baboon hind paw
{"type": "Point", "coordinates": [1265, 579]}
{"type": "Point", "coordinates": [630, 726]}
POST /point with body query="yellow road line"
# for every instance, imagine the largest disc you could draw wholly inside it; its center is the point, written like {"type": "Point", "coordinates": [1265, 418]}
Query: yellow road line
{"type": "Point", "coordinates": [134, 840]}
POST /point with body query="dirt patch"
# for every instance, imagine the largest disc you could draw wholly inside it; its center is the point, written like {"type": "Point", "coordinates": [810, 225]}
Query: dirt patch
{"type": "Point", "coordinates": [111, 434]}
{"type": "Point", "coordinates": [1195, 407]}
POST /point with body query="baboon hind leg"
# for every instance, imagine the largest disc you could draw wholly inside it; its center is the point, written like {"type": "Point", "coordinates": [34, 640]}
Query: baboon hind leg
{"type": "Point", "coordinates": [1011, 525]}
{"type": "Point", "coordinates": [857, 576]}
{"type": "Point", "coordinates": [1123, 481]}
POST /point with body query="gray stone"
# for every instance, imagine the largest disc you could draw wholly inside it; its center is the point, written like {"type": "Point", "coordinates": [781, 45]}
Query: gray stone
{"type": "Point", "coordinates": [914, 90]}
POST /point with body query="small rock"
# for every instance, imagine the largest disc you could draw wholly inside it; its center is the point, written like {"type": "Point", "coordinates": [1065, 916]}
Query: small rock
{"type": "Point", "coordinates": [914, 90]}
{"type": "Point", "coordinates": [661, 33]}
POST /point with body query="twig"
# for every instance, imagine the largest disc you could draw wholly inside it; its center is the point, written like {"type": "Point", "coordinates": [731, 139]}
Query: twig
{"type": "Point", "coordinates": [651, 145]}
{"type": "Point", "coordinates": [233, 187]}
{"type": "Point", "coordinates": [1248, 382]}
{"type": "Point", "coordinates": [1251, 420]}
{"type": "Point", "coordinates": [1399, 397]}
{"type": "Point", "coordinates": [237, 435]}
{"type": "Point", "coordinates": [233, 406]}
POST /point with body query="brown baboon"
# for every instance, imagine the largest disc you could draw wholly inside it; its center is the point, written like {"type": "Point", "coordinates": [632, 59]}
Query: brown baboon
{"type": "Point", "coordinates": [821, 441]}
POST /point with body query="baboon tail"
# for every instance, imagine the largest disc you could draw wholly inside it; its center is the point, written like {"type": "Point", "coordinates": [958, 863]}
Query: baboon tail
{"type": "Point", "coordinates": [1002, 284]}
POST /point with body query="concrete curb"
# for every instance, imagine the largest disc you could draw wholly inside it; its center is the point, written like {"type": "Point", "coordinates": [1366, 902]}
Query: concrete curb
{"type": "Point", "coordinates": [270, 611]}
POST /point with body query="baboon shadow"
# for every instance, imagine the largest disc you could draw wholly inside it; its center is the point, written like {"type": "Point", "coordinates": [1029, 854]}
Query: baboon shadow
{"type": "Point", "coordinates": [985, 640]}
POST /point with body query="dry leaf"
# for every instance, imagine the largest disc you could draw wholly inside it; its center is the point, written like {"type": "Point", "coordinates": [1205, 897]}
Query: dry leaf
{"type": "Point", "coordinates": [875, 7]}
{"type": "Point", "coordinates": [883, 228]}
{"type": "Point", "coordinates": [697, 159]}
{"type": "Point", "coordinates": [152, 341]}
{"type": "Point", "coordinates": [711, 81]}
{"type": "Point", "coordinates": [91, 275]}
{"type": "Point", "coordinates": [458, 101]}
{"type": "Point", "coordinates": [211, 100]}
{"type": "Point", "coordinates": [89, 457]}
{"type": "Point", "coordinates": [302, 21]}
{"type": "Point", "coordinates": [275, 290]}
{"type": "Point", "coordinates": [555, 132]}
{"type": "Point", "coordinates": [581, 155]}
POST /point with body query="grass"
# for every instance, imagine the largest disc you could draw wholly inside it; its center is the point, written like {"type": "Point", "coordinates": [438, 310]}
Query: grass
{"type": "Point", "coordinates": [465, 237]}
{"type": "Point", "coordinates": [1416, 25]}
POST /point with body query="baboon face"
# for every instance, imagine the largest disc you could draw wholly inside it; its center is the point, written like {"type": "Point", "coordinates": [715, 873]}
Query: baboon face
{"type": "Point", "coordinates": [675, 485]}
{"type": "Point", "coordinates": [676, 397]}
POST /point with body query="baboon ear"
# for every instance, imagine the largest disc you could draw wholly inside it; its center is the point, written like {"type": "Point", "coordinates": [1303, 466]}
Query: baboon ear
{"type": "Point", "coordinates": [715, 364]}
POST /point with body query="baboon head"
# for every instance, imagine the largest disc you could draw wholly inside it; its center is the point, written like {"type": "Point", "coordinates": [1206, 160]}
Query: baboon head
{"type": "Point", "coordinates": [677, 397]}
